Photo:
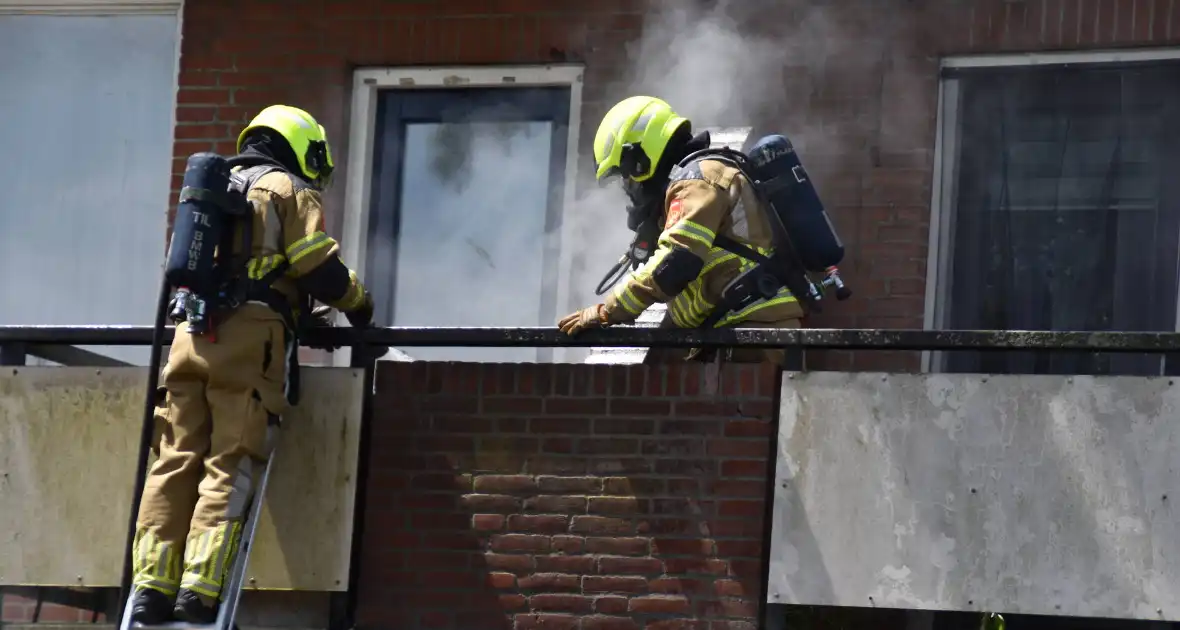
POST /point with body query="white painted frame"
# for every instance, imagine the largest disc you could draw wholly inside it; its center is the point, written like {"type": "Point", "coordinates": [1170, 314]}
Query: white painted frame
{"type": "Point", "coordinates": [367, 82]}
{"type": "Point", "coordinates": [940, 260]}
{"type": "Point", "coordinates": [93, 7]}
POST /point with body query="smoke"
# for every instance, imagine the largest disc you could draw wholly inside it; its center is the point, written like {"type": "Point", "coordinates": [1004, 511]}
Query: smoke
{"type": "Point", "coordinates": [719, 65]}
{"type": "Point", "coordinates": [472, 248]}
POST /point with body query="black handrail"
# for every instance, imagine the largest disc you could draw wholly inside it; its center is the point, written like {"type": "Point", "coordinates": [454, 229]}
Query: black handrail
{"type": "Point", "coordinates": [629, 336]}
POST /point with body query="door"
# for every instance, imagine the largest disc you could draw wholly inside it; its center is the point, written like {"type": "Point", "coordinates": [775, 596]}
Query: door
{"type": "Point", "coordinates": [465, 218]}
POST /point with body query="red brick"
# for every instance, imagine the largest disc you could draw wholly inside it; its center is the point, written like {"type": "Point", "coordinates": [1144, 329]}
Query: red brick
{"type": "Point", "coordinates": [449, 579]}
{"type": "Point", "coordinates": [431, 540]}
{"type": "Point", "coordinates": [663, 547]}
{"type": "Point", "coordinates": [499, 504]}
{"type": "Point", "coordinates": [675, 624]}
{"type": "Point", "coordinates": [195, 114]}
{"type": "Point", "coordinates": [607, 446]}
{"type": "Point", "coordinates": [639, 407]}
{"type": "Point", "coordinates": [519, 542]}
{"type": "Point", "coordinates": [625, 426]}
{"type": "Point", "coordinates": [202, 96]}
{"type": "Point", "coordinates": [738, 448]}
{"type": "Point", "coordinates": [628, 486]}
{"type": "Point", "coordinates": [630, 566]}
{"type": "Point", "coordinates": [614, 584]}
{"type": "Point", "coordinates": [568, 544]}
{"type": "Point", "coordinates": [419, 560]}
{"type": "Point", "coordinates": [487, 522]}
{"type": "Point", "coordinates": [518, 565]}
{"type": "Point", "coordinates": [556, 504]}
{"type": "Point", "coordinates": [660, 604]}
{"type": "Point", "coordinates": [561, 603]}
{"type": "Point", "coordinates": [738, 488]}
{"type": "Point", "coordinates": [545, 622]}
{"type": "Point", "coordinates": [571, 485]}
{"type": "Point", "coordinates": [513, 602]}
{"type": "Point", "coordinates": [602, 622]}
{"type": "Point", "coordinates": [618, 546]}
{"type": "Point", "coordinates": [492, 406]}
{"type": "Point", "coordinates": [743, 468]}
{"type": "Point", "coordinates": [601, 525]}
{"type": "Point", "coordinates": [617, 505]}
{"type": "Point", "coordinates": [438, 521]}
{"type": "Point", "coordinates": [551, 582]}
{"type": "Point", "coordinates": [576, 406]}
{"type": "Point", "coordinates": [566, 564]}
{"type": "Point", "coordinates": [551, 426]}
{"type": "Point", "coordinates": [611, 605]}
{"type": "Point", "coordinates": [547, 524]}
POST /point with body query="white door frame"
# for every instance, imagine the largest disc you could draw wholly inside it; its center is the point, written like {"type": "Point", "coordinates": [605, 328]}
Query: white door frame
{"type": "Point", "coordinates": [367, 82]}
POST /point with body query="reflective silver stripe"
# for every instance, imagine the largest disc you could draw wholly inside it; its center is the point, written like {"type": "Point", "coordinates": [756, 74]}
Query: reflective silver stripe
{"type": "Point", "coordinates": [695, 231]}
{"type": "Point", "coordinates": [309, 242]}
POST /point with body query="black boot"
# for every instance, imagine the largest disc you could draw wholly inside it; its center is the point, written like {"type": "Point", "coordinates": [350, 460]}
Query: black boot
{"type": "Point", "coordinates": [194, 608]}
{"type": "Point", "coordinates": [150, 607]}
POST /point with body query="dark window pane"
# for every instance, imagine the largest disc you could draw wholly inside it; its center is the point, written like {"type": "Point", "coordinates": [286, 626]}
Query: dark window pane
{"type": "Point", "coordinates": [1067, 212]}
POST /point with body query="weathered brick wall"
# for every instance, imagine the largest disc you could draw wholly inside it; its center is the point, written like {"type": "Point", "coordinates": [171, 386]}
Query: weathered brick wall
{"type": "Point", "coordinates": [20, 605]}
{"type": "Point", "coordinates": [540, 496]}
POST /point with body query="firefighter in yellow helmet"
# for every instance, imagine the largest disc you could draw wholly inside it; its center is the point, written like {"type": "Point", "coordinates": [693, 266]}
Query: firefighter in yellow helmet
{"type": "Point", "coordinates": [643, 141]}
{"type": "Point", "coordinates": [224, 395]}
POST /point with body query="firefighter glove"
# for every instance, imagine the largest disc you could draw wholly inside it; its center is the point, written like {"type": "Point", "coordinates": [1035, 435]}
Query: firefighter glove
{"type": "Point", "coordinates": [362, 317]}
{"type": "Point", "coordinates": [589, 317]}
{"type": "Point", "coordinates": [319, 317]}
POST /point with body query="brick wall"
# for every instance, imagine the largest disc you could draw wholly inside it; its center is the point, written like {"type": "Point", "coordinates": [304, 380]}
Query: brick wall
{"type": "Point", "coordinates": [20, 605]}
{"type": "Point", "coordinates": [540, 496]}
{"type": "Point", "coordinates": [869, 110]}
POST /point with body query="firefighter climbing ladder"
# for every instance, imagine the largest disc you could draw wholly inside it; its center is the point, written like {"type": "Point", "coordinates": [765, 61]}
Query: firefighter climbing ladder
{"type": "Point", "coordinates": [227, 614]}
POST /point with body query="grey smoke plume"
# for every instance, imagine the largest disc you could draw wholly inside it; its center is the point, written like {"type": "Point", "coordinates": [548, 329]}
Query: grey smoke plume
{"type": "Point", "coordinates": [724, 64]}
{"type": "Point", "coordinates": [718, 65]}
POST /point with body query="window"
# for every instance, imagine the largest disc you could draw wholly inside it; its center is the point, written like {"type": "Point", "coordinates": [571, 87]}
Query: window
{"type": "Point", "coordinates": [88, 104]}
{"type": "Point", "coordinates": [1059, 208]}
{"type": "Point", "coordinates": [462, 222]}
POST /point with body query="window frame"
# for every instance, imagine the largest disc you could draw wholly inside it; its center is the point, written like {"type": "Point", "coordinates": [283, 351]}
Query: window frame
{"type": "Point", "coordinates": [944, 184]}
{"type": "Point", "coordinates": [94, 7]}
{"type": "Point", "coordinates": [368, 82]}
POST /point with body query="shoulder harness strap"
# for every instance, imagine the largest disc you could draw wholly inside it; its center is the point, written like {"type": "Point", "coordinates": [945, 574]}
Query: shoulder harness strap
{"type": "Point", "coordinates": [690, 168]}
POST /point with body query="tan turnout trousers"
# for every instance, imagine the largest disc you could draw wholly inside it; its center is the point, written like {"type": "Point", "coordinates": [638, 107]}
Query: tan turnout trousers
{"type": "Point", "coordinates": [216, 426]}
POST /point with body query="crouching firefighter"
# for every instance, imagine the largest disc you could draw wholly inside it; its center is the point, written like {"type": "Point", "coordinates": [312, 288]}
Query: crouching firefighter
{"type": "Point", "coordinates": [248, 255]}
{"type": "Point", "coordinates": [723, 254]}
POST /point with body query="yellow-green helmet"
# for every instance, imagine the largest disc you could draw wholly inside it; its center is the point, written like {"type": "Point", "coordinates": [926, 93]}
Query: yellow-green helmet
{"type": "Point", "coordinates": [633, 136]}
{"type": "Point", "coordinates": [307, 138]}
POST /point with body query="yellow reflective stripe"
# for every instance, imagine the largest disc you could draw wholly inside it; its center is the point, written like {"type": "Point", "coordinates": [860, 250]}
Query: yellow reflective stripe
{"type": "Point", "coordinates": [755, 307]}
{"type": "Point", "coordinates": [717, 256]}
{"type": "Point", "coordinates": [676, 310]}
{"type": "Point", "coordinates": [155, 564]}
{"type": "Point", "coordinates": [308, 244]}
{"type": "Point", "coordinates": [257, 268]}
{"type": "Point", "coordinates": [211, 553]}
{"type": "Point", "coordinates": [694, 231]}
{"type": "Point", "coordinates": [627, 299]}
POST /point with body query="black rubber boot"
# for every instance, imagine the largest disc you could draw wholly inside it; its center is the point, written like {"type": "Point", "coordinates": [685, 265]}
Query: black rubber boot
{"type": "Point", "coordinates": [192, 608]}
{"type": "Point", "coordinates": [150, 607]}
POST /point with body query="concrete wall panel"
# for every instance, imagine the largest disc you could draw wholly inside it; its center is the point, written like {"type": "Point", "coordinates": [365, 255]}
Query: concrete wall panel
{"type": "Point", "coordinates": [1023, 494]}
{"type": "Point", "coordinates": [68, 442]}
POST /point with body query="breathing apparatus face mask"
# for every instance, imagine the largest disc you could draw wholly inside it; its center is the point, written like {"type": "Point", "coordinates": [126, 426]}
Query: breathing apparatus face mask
{"type": "Point", "coordinates": [644, 218]}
